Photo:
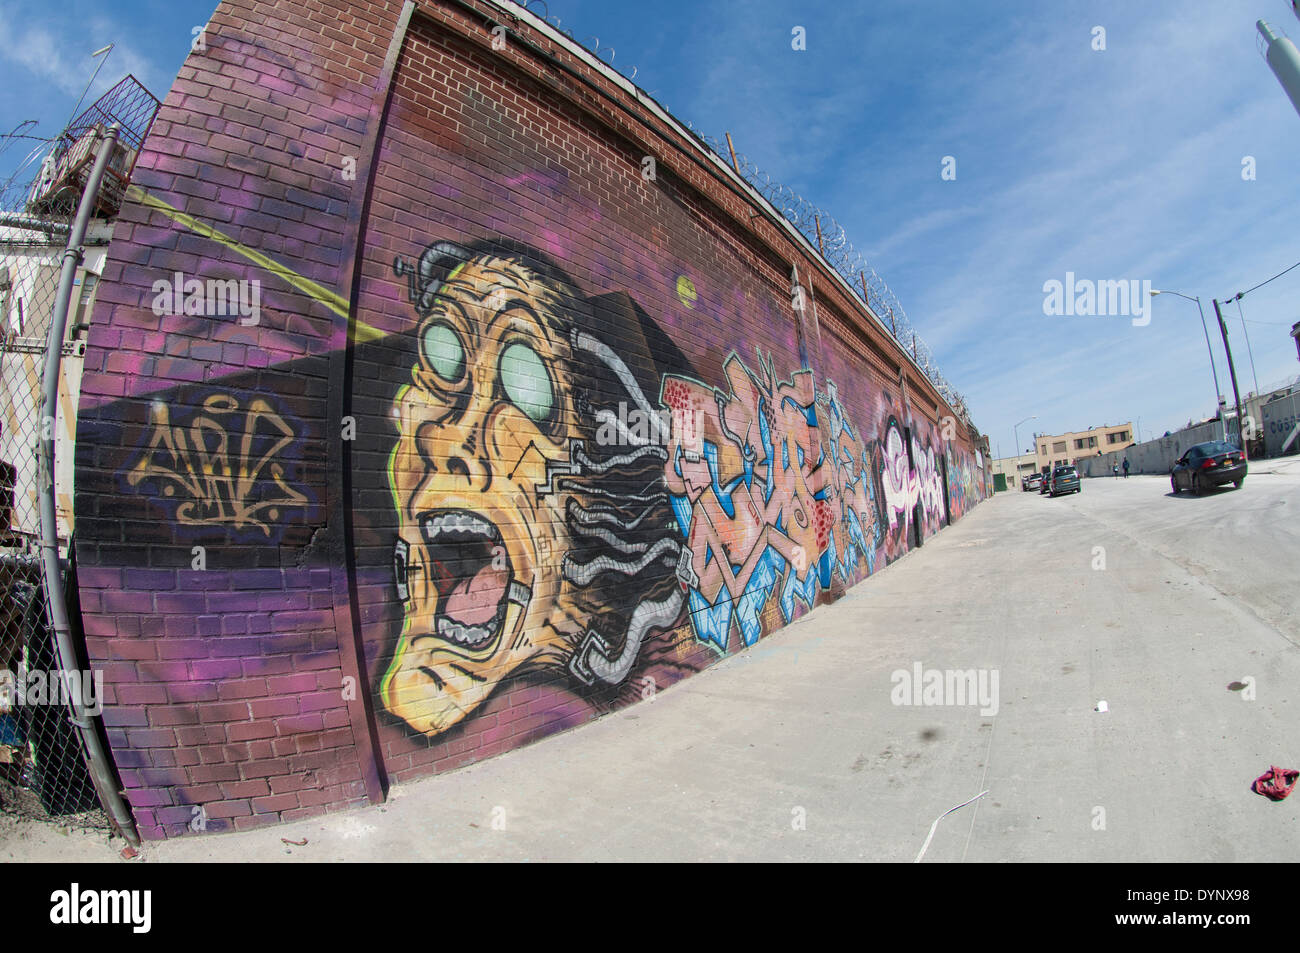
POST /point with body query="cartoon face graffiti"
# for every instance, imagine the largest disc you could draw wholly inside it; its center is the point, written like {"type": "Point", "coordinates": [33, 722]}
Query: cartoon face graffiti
{"type": "Point", "coordinates": [487, 409]}
{"type": "Point", "coordinates": [503, 559]}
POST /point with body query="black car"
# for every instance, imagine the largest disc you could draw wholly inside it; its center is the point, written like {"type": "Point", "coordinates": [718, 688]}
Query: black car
{"type": "Point", "coordinates": [1207, 465]}
{"type": "Point", "coordinates": [1065, 479]}
{"type": "Point", "coordinates": [1046, 482]}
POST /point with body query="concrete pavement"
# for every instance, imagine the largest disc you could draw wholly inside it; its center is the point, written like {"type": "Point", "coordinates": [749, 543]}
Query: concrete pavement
{"type": "Point", "coordinates": [1161, 605]}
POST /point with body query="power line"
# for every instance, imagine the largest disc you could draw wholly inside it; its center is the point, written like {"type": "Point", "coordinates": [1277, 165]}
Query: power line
{"type": "Point", "coordinates": [1249, 350]}
{"type": "Point", "coordinates": [1239, 294]}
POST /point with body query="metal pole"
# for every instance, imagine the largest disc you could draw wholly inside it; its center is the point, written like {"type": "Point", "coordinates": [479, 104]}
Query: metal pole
{"type": "Point", "coordinates": [732, 149]}
{"type": "Point", "coordinates": [1232, 370]}
{"type": "Point", "coordinates": [101, 772]}
{"type": "Point", "coordinates": [107, 51]}
{"type": "Point", "coordinates": [1218, 394]}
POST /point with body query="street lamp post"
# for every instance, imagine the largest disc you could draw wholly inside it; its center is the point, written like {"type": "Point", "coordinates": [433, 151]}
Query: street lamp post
{"type": "Point", "coordinates": [103, 51]}
{"type": "Point", "coordinates": [1016, 431]}
{"type": "Point", "coordinates": [1218, 394]}
{"type": "Point", "coordinates": [1283, 59]}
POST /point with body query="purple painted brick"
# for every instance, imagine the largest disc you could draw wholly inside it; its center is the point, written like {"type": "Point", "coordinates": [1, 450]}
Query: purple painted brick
{"type": "Point", "coordinates": [245, 731]}
{"type": "Point", "coordinates": [151, 737]}
{"type": "Point", "coordinates": [297, 724]}
{"type": "Point", "coordinates": [192, 692]}
{"type": "Point", "coordinates": [116, 716]}
{"type": "Point", "coordinates": [216, 669]}
{"type": "Point", "coordinates": [242, 688]}
{"type": "Point", "coordinates": [291, 684]}
{"type": "Point", "coordinates": [320, 701]}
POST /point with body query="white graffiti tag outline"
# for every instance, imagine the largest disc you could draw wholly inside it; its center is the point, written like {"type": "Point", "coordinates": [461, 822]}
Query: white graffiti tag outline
{"type": "Point", "coordinates": [902, 489]}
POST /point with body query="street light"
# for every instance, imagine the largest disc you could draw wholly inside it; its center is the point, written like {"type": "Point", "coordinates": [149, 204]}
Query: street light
{"type": "Point", "coordinates": [1283, 59]}
{"type": "Point", "coordinates": [102, 51]}
{"type": "Point", "coordinates": [1016, 431]}
{"type": "Point", "coordinates": [1218, 394]}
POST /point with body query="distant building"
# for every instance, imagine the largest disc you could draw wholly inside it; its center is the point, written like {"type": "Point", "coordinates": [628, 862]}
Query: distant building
{"type": "Point", "coordinates": [1014, 469]}
{"type": "Point", "coordinates": [1053, 450]}
{"type": "Point", "coordinates": [1270, 417]}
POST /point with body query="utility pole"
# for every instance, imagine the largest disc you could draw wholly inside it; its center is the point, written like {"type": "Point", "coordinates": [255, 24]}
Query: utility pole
{"type": "Point", "coordinates": [1236, 394]}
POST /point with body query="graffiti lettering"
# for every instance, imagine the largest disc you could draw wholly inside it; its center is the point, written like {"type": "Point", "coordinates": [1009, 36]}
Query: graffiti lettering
{"type": "Point", "coordinates": [223, 468]}
{"type": "Point", "coordinates": [776, 493]}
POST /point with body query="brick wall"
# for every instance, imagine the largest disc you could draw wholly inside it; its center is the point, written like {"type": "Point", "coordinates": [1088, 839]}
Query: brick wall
{"type": "Point", "coordinates": [518, 432]}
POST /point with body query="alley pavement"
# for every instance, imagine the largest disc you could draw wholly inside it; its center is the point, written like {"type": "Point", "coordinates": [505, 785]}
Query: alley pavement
{"type": "Point", "coordinates": [1179, 612]}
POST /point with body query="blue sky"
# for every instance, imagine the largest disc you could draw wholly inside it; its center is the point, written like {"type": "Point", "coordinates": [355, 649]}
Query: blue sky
{"type": "Point", "coordinates": [1117, 164]}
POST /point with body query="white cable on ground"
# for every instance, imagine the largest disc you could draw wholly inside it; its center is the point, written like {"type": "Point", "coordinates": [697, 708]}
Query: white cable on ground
{"type": "Point", "coordinates": [935, 825]}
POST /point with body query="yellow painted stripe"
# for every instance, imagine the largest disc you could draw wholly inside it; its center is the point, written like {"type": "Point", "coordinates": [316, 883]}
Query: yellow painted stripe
{"type": "Point", "coordinates": [332, 300]}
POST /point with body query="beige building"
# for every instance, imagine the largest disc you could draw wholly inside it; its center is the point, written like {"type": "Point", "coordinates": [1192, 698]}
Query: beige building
{"type": "Point", "coordinates": [1015, 469]}
{"type": "Point", "coordinates": [1054, 450]}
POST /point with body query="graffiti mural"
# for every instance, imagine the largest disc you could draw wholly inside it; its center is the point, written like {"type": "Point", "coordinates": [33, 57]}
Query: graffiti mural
{"type": "Point", "coordinates": [568, 489]}
{"type": "Point", "coordinates": [526, 541]}
{"type": "Point", "coordinates": [765, 499]}
{"type": "Point", "coordinates": [911, 478]}
{"type": "Point", "coordinates": [962, 490]}
{"type": "Point", "coordinates": [901, 487]}
{"type": "Point", "coordinates": [223, 468]}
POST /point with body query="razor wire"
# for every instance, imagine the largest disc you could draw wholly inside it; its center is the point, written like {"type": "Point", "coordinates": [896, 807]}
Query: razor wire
{"type": "Point", "coordinates": [831, 239]}
{"type": "Point", "coordinates": [821, 230]}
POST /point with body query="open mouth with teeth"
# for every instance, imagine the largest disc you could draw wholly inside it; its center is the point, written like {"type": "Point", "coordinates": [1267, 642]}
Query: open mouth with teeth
{"type": "Point", "coordinates": [469, 566]}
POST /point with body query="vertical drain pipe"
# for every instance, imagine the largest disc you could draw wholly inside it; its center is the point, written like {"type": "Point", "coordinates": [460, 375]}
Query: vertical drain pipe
{"type": "Point", "coordinates": [101, 772]}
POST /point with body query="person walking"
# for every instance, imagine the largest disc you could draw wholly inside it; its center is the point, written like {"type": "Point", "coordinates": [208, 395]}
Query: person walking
{"type": "Point", "coordinates": [1126, 468]}
{"type": "Point", "coordinates": [1114, 469]}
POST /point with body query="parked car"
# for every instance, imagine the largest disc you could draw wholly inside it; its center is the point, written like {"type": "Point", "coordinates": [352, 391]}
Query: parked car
{"type": "Point", "coordinates": [1208, 465]}
{"type": "Point", "coordinates": [1032, 482]}
{"type": "Point", "coordinates": [1046, 481]}
{"type": "Point", "coordinates": [1065, 479]}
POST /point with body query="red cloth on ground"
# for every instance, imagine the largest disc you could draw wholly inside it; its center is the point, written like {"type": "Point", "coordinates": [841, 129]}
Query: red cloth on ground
{"type": "Point", "coordinates": [1276, 783]}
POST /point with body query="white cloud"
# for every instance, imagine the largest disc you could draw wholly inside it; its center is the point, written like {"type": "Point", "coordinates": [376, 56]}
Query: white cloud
{"type": "Point", "coordinates": [52, 46]}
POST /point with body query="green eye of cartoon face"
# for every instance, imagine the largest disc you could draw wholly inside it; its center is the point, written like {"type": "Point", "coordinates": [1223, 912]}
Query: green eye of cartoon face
{"type": "Point", "coordinates": [443, 351]}
{"type": "Point", "coordinates": [525, 381]}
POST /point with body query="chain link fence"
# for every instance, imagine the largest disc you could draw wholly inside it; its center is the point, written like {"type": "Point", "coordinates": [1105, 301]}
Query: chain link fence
{"type": "Point", "coordinates": [43, 770]}
{"type": "Point", "coordinates": [43, 762]}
